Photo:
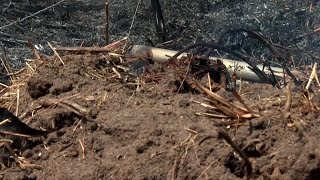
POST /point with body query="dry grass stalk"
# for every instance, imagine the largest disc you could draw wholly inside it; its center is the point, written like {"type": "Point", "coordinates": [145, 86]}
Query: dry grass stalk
{"type": "Point", "coordinates": [10, 94]}
{"type": "Point", "coordinates": [5, 86]}
{"type": "Point", "coordinates": [31, 15]}
{"type": "Point", "coordinates": [10, 98]}
{"type": "Point", "coordinates": [221, 134]}
{"type": "Point", "coordinates": [83, 49]}
{"type": "Point", "coordinates": [211, 115]}
{"type": "Point", "coordinates": [34, 51]}
{"type": "Point", "coordinates": [75, 108]}
{"type": "Point", "coordinates": [18, 102]}
{"type": "Point", "coordinates": [228, 109]}
{"type": "Point", "coordinates": [55, 53]}
{"type": "Point", "coordinates": [204, 172]}
{"type": "Point", "coordinates": [6, 66]}
{"type": "Point", "coordinates": [185, 76]}
{"type": "Point", "coordinates": [116, 72]}
{"type": "Point", "coordinates": [33, 70]}
{"type": "Point", "coordinates": [287, 106]}
{"type": "Point", "coordinates": [313, 75]}
{"type": "Point", "coordinates": [115, 47]}
{"type": "Point", "coordinates": [235, 93]}
{"type": "Point", "coordinates": [209, 82]}
{"type": "Point", "coordinates": [77, 125]}
{"type": "Point", "coordinates": [82, 149]}
{"type": "Point", "coordinates": [204, 104]}
{"type": "Point", "coordinates": [292, 120]}
{"type": "Point", "coordinates": [14, 73]}
{"type": "Point", "coordinates": [186, 144]}
{"type": "Point", "coordinates": [6, 143]}
{"type": "Point", "coordinates": [307, 95]}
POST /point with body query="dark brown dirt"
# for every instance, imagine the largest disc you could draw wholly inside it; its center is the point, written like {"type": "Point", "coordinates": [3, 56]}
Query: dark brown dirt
{"type": "Point", "coordinates": [149, 133]}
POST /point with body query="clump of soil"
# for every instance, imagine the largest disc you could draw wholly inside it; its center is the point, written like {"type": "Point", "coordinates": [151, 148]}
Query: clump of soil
{"type": "Point", "coordinates": [151, 132]}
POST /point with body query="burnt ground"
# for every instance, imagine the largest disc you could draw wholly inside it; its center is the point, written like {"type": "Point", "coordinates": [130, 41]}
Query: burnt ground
{"type": "Point", "coordinates": [152, 132]}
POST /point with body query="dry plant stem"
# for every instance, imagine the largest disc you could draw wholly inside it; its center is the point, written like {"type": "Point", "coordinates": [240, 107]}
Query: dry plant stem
{"type": "Point", "coordinates": [20, 160]}
{"type": "Point", "coordinates": [313, 75]}
{"type": "Point", "coordinates": [157, 153]}
{"type": "Point", "coordinates": [73, 107]}
{"type": "Point", "coordinates": [34, 51]}
{"type": "Point", "coordinates": [197, 158]}
{"type": "Point", "coordinates": [227, 108]}
{"type": "Point", "coordinates": [29, 66]}
{"type": "Point", "coordinates": [83, 49]}
{"type": "Point", "coordinates": [77, 125]}
{"type": "Point", "coordinates": [4, 121]}
{"type": "Point", "coordinates": [211, 115]}
{"type": "Point", "coordinates": [24, 114]}
{"type": "Point", "coordinates": [6, 66]}
{"type": "Point", "coordinates": [18, 102]}
{"type": "Point", "coordinates": [234, 92]}
{"type": "Point", "coordinates": [134, 17]}
{"type": "Point", "coordinates": [111, 175]}
{"type": "Point", "coordinates": [221, 100]}
{"type": "Point", "coordinates": [204, 104]}
{"type": "Point", "coordinates": [188, 142]}
{"type": "Point", "coordinates": [106, 18]}
{"type": "Point", "coordinates": [175, 168]}
{"type": "Point", "coordinates": [6, 8]}
{"type": "Point", "coordinates": [196, 153]}
{"type": "Point", "coordinates": [13, 74]}
{"type": "Point", "coordinates": [184, 78]}
{"type": "Point", "coordinates": [213, 95]}
{"type": "Point", "coordinates": [116, 72]}
{"type": "Point", "coordinates": [316, 30]}
{"type": "Point", "coordinates": [224, 135]}
{"type": "Point", "coordinates": [227, 111]}
{"type": "Point", "coordinates": [232, 123]}
{"type": "Point", "coordinates": [287, 106]}
{"type": "Point", "coordinates": [82, 149]}
{"type": "Point", "coordinates": [117, 44]}
{"type": "Point", "coordinates": [223, 80]}
{"type": "Point", "coordinates": [5, 86]}
{"type": "Point", "coordinates": [55, 53]}
{"type": "Point", "coordinates": [130, 98]}
{"type": "Point", "coordinates": [240, 85]}
{"type": "Point", "coordinates": [209, 82]}
{"type": "Point", "coordinates": [204, 172]}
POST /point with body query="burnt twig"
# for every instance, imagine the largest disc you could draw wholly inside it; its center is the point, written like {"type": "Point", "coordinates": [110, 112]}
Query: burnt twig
{"type": "Point", "coordinates": [160, 27]}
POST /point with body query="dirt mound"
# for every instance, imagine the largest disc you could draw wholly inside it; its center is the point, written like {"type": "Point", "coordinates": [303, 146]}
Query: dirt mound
{"type": "Point", "coordinates": [104, 127]}
{"type": "Point", "coordinates": [107, 129]}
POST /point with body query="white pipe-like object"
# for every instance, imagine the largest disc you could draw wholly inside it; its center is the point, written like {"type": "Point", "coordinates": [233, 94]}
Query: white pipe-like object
{"type": "Point", "coordinates": [243, 72]}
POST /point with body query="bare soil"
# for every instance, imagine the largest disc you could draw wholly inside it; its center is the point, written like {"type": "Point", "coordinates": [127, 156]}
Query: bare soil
{"type": "Point", "coordinates": [151, 132]}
